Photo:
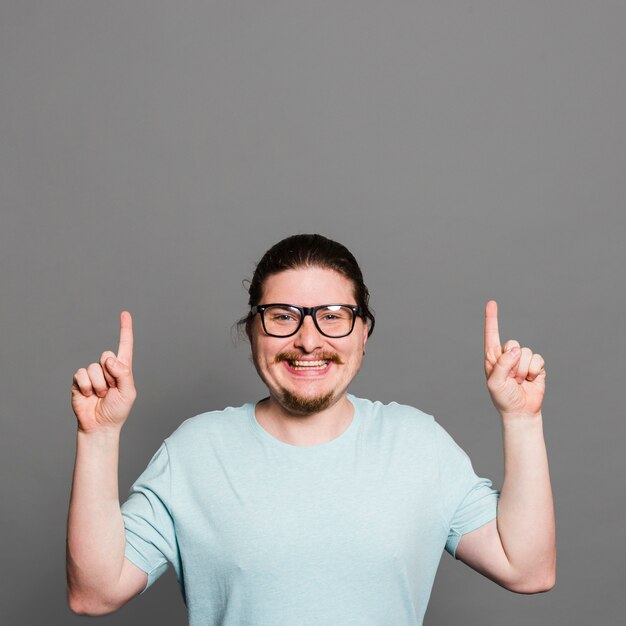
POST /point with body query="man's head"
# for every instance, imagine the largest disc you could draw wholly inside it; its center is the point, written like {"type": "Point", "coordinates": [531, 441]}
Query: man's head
{"type": "Point", "coordinates": [300, 251]}
{"type": "Point", "coordinates": [310, 369]}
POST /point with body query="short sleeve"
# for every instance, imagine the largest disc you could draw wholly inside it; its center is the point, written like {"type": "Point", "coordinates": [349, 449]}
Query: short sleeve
{"type": "Point", "coordinates": [150, 533]}
{"type": "Point", "coordinates": [468, 501]}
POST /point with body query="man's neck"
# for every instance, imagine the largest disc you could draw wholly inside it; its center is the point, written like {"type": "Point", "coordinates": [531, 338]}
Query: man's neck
{"type": "Point", "coordinates": [304, 430]}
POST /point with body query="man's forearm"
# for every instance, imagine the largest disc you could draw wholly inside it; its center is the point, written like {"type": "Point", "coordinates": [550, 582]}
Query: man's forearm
{"type": "Point", "coordinates": [95, 532]}
{"type": "Point", "coordinates": [526, 511]}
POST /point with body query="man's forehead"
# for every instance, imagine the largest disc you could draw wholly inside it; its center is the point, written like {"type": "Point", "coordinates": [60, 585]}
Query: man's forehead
{"type": "Point", "coordinates": [307, 282]}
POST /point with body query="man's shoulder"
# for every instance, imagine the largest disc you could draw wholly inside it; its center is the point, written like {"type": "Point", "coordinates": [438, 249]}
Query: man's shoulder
{"type": "Point", "coordinates": [211, 424]}
{"type": "Point", "coordinates": [400, 430]}
{"type": "Point", "coordinates": [392, 414]}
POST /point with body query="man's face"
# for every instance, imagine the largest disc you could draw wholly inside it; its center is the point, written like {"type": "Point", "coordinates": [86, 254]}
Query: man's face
{"type": "Point", "coordinates": [307, 389]}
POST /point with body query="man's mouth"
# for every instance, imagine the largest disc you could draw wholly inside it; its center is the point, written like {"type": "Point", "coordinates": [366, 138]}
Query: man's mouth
{"type": "Point", "coordinates": [308, 365]}
{"type": "Point", "coordinates": [296, 363]}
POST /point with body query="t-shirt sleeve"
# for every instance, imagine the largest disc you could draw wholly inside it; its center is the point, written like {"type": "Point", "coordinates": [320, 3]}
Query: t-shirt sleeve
{"type": "Point", "coordinates": [468, 501]}
{"type": "Point", "coordinates": [150, 535]}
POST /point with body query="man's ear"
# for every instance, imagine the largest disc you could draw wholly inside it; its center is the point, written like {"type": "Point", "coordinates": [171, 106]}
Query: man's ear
{"type": "Point", "coordinates": [366, 329]}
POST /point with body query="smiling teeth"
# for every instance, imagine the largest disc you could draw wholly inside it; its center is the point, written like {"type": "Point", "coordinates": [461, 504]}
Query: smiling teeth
{"type": "Point", "coordinates": [308, 364]}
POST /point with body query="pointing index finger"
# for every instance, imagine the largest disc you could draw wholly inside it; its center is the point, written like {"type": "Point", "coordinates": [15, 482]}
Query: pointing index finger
{"type": "Point", "coordinates": [492, 335]}
{"type": "Point", "coordinates": [125, 350]}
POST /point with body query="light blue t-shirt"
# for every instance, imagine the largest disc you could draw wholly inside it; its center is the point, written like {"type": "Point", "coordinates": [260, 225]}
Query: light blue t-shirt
{"type": "Point", "coordinates": [264, 533]}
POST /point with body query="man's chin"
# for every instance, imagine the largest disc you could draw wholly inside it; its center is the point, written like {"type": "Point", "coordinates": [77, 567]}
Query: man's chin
{"type": "Point", "coordinates": [306, 406]}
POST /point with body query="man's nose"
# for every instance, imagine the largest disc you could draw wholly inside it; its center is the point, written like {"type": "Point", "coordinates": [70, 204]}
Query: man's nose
{"type": "Point", "coordinates": [308, 338]}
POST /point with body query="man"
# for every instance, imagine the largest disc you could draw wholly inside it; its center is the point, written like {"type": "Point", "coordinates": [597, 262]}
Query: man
{"type": "Point", "coordinates": [311, 506]}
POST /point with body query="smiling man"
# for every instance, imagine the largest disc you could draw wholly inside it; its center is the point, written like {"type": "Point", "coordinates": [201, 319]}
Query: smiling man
{"type": "Point", "coordinates": [307, 356]}
{"type": "Point", "coordinates": [311, 506]}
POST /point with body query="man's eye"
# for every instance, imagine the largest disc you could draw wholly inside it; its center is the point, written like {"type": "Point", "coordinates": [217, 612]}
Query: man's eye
{"type": "Point", "coordinates": [283, 317]}
{"type": "Point", "coordinates": [334, 314]}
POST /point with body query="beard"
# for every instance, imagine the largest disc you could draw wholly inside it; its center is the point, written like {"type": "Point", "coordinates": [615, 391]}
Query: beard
{"type": "Point", "coordinates": [306, 406]}
{"type": "Point", "coordinates": [299, 405]}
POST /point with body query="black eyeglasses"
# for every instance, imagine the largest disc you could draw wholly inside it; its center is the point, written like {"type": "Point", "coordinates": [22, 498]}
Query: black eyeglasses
{"type": "Point", "coordinates": [284, 320]}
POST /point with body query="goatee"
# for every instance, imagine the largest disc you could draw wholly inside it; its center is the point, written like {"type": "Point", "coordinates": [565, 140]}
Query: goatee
{"type": "Point", "coordinates": [306, 406]}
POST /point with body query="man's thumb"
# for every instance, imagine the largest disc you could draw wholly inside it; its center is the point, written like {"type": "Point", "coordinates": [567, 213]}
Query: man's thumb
{"type": "Point", "coordinates": [507, 361]}
{"type": "Point", "coordinates": [120, 371]}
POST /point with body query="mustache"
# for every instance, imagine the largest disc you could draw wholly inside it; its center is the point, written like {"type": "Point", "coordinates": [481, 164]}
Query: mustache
{"type": "Point", "coordinates": [320, 356]}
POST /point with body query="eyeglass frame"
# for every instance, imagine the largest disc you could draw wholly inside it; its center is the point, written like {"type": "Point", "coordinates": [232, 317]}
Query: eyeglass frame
{"type": "Point", "coordinates": [304, 311]}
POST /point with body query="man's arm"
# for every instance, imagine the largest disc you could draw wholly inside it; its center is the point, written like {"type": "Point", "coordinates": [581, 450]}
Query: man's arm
{"type": "Point", "coordinates": [518, 549]}
{"type": "Point", "coordinates": [99, 578]}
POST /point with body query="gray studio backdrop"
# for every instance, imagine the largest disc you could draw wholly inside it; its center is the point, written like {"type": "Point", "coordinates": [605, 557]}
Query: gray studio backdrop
{"type": "Point", "coordinates": [151, 151]}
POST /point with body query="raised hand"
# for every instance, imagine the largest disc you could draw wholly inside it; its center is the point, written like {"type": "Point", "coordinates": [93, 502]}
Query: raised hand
{"type": "Point", "coordinates": [516, 378]}
{"type": "Point", "coordinates": [103, 393]}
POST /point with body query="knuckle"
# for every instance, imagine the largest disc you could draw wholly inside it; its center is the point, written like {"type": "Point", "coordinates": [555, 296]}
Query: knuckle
{"type": "Point", "coordinates": [527, 355]}
{"type": "Point", "coordinates": [537, 364]}
{"type": "Point", "coordinates": [85, 387]}
{"type": "Point", "coordinates": [81, 379]}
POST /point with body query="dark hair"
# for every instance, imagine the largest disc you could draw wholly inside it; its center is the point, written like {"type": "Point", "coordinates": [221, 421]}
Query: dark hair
{"type": "Point", "coordinates": [300, 251]}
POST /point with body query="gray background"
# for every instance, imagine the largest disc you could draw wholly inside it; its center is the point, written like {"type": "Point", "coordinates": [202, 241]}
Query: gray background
{"type": "Point", "coordinates": [150, 152]}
